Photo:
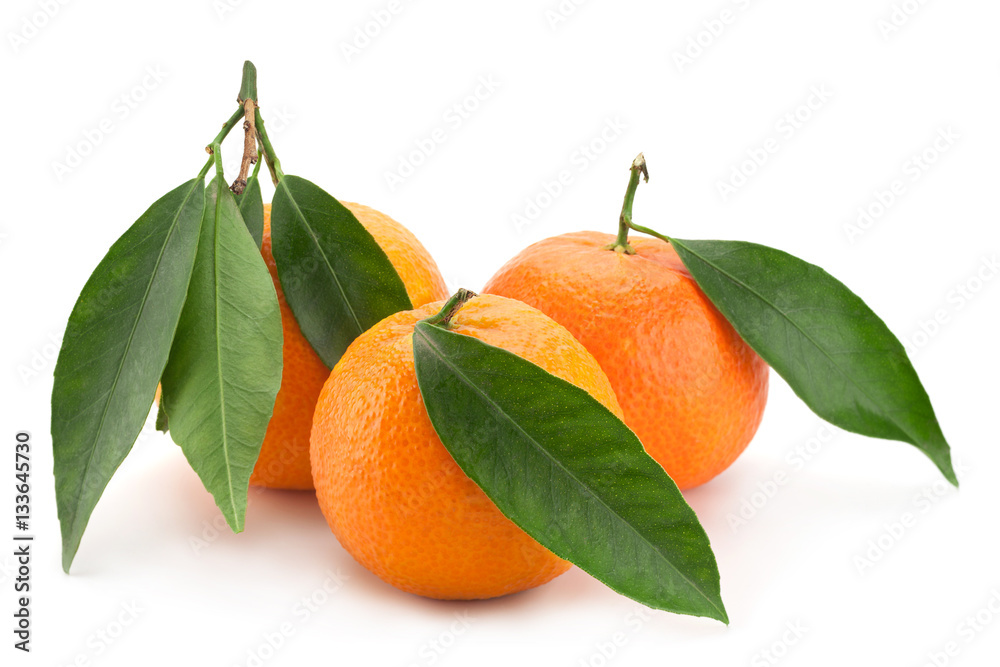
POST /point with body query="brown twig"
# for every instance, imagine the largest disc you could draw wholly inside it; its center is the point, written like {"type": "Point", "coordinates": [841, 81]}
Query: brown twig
{"type": "Point", "coordinates": [249, 146]}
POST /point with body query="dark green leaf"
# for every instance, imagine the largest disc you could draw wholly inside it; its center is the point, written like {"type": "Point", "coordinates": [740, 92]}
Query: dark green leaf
{"type": "Point", "coordinates": [114, 350]}
{"type": "Point", "coordinates": [833, 351]}
{"type": "Point", "coordinates": [335, 277]}
{"type": "Point", "coordinates": [225, 364]}
{"type": "Point", "coordinates": [252, 208]}
{"type": "Point", "coordinates": [162, 423]}
{"type": "Point", "coordinates": [567, 471]}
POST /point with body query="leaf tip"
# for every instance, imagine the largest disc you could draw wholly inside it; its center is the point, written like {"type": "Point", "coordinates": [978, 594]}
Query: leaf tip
{"type": "Point", "coordinates": [237, 521]}
{"type": "Point", "coordinates": [716, 609]}
{"type": "Point", "coordinates": [942, 459]}
{"type": "Point", "coordinates": [723, 615]}
{"type": "Point", "coordinates": [949, 473]}
{"type": "Point", "coordinates": [67, 557]}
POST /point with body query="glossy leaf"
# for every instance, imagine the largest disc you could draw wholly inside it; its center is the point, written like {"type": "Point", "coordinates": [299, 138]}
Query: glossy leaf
{"type": "Point", "coordinates": [225, 366]}
{"type": "Point", "coordinates": [335, 277]}
{"type": "Point", "coordinates": [833, 351]}
{"type": "Point", "coordinates": [567, 471]}
{"type": "Point", "coordinates": [115, 347]}
{"type": "Point", "coordinates": [251, 205]}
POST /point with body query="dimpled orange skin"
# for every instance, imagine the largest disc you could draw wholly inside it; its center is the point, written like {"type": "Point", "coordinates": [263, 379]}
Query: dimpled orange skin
{"type": "Point", "coordinates": [691, 388]}
{"type": "Point", "coordinates": [284, 456]}
{"type": "Point", "coordinates": [389, 489]}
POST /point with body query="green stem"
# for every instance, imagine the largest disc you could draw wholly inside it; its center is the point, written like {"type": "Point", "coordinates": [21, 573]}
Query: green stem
{"type": "Point", "coordinates": [226, 128]}
{"type": "Point", "coordinates": [208, 165]}
{"type": "Point", "coordinates": [256, 167]}
{"type": "Point", "coordinates": [273, 163]}
{"type": "Point", "coordinates": [248, 87]}
{"type": "Point", "coordinates": [451, 307]}
{"type": "Point", "coordinates": [638, 170]}
{"type": "Point", "coordinates": [212, 148]}
{"type": "Point", "coordinates": [217, 155]}
{"type": "Point", "coordinates": [647, 230]}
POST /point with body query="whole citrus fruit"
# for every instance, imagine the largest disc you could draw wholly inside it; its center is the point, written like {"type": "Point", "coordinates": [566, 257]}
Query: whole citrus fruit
{"type": "Point", "coordinates": [691, 388]}
{"type": "Point", "coordinates": [284, 456]}
{"type": "Point", "coordinates": [391, 492]}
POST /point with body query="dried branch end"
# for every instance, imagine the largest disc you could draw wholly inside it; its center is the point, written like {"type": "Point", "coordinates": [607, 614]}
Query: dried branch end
{"type": "Point", "coordinates": [249, 146]}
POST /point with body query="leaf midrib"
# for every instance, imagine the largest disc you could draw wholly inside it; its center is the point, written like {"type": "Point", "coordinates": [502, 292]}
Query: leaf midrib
{"type": "Point", "coordinates": [905, 430]}
{"type": "Point", "coordinates": [560, 465]}
{"type": "Point", "coordinates": [326, 260]}
{"type": "Point", "coordinates": [128, 346]}
{"type": "Point", "coordinates": [218, 356]}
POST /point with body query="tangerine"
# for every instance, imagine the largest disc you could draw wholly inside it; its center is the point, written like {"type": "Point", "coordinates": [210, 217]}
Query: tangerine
{"type": "Point", "coordinates": [391, 492]}
{"type": "Point", "coordinates": [690, 386]}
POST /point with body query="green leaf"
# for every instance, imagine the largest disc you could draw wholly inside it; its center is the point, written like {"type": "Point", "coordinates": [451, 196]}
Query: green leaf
{"type": "Point", "coordinates": [252, 207]}
{"type": "Point", "coordinates": [335, 277]}
{"type": "Point", "coordinates": [567, 471]}
{"type": "Point", "coordinates": [225, 365]}
{"type": "Point", "coordinates": [162, 423]}
{"type": "Point", "coordinates": [833, 351]}
{"type": "Point", "coordinates": [114, 350]}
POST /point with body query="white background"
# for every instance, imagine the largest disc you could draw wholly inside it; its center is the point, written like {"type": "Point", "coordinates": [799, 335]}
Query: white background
{"type": "Point", "coordinates": [345, 122]}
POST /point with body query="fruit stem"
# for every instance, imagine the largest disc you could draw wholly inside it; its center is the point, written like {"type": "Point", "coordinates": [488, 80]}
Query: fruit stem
{"type": "Point", "coordinates": [451, 307]}
{"type": "Point", "coordinates": [621, 243]}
